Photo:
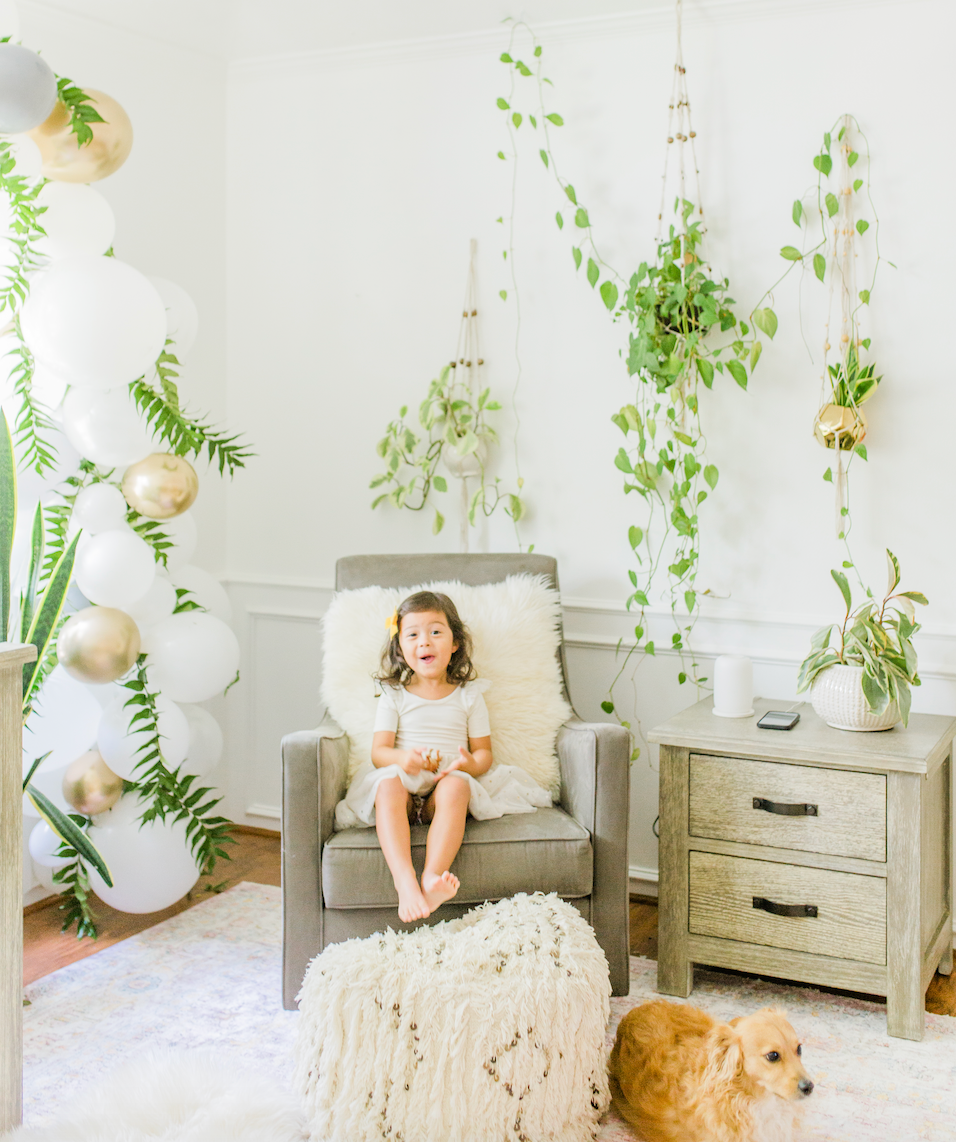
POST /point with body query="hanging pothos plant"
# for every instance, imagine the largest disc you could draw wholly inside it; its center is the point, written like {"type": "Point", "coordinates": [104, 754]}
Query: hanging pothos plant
{"type": "Point", "coordinates": [683, 332]}
{"type": "Point", "coordinates": [164, 791]}
{"type": "Point", "coordinates": [452, 427]}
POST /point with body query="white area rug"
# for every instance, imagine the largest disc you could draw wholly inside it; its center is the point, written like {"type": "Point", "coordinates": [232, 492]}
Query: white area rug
{"type": "Point", "coordinates": [210, 978]}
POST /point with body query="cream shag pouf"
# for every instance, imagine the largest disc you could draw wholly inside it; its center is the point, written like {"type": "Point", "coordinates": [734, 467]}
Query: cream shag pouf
{"type": "Point", "coordinates": [488, 1027]}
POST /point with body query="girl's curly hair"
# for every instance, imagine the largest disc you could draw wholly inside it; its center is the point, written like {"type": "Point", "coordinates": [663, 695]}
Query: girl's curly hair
{"type": "Point", "coordinates": [396, 671]}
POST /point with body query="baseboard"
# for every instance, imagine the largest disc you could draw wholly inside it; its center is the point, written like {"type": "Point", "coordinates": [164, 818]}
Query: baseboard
{"type": "Point", "coordinates": [36, 895]}
{"type": "Point", "coordinates": [642, 881]}
{"type": "Point", "coordinates": [272, 812]}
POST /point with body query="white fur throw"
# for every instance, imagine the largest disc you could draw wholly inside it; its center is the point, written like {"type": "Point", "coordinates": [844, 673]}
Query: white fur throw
{"type": "Point", "coordinates": [514, 627]}
{"type": "Point", "coordinates": [187, 1096]}
{"type": "Point", "coordinates": [488, 1027]}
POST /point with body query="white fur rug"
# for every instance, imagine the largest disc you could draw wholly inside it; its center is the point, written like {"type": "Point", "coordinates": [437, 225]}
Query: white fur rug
{"type": "Point", "coordinates": [179, 1096]}
{"type": "Point", "coordinates": [514, 627]}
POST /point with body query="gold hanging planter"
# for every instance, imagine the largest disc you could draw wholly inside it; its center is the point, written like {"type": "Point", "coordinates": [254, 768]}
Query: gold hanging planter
{"type": "Point", "coordinates": [835, 423]}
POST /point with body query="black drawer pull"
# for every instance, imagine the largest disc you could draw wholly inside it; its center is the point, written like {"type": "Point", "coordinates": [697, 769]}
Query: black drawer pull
{"type": "Point", "coordinates": [784, 909]}
{"type": "Point", "coordinates": [785, 810]}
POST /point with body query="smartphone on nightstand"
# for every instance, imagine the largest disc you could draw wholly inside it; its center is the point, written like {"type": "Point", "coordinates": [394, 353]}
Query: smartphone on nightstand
{"type": "Point", "coordinates": [778, 720]}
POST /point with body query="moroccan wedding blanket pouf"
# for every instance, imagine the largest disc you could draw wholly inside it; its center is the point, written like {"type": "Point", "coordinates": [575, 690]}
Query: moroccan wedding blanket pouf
{"type": "Point", "coordinates": [486, 1028]}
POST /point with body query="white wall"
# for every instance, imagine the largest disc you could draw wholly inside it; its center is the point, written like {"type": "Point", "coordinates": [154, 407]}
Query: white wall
{"type": "Point", "coordinates": [356, 178]}
{"type": "Point", "coordinates": [168, 197]}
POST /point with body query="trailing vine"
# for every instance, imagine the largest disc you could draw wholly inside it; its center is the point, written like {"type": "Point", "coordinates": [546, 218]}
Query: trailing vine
{"type": "Point", "coordinates": [79, 105]}
{"type": "Point", "coordinates": [682, 332]}
{"type": "Point", "coordinates": [74, 882]}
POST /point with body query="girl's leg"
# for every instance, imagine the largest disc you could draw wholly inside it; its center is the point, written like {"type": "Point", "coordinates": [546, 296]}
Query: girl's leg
{"type": "Point", "coordinates": [448, 806]}
{"type": "Point", "coordinates": [391, 823]}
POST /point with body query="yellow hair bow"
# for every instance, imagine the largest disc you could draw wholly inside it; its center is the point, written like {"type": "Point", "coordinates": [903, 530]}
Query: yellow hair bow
{"type": "Point", "coordinates": [392, 623]}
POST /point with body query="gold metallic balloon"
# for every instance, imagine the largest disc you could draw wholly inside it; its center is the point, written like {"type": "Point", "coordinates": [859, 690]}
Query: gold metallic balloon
{"type": "Point", "coordinates": [833, 420]}
{"type": "Point", "coordinates": [98, 644]}
{"type": "Point", "coordinates": [161, 486]}
{"type": "Point", "coordinates": [90, 785]}
{"type": "Point", "coordinates": [64, 161]}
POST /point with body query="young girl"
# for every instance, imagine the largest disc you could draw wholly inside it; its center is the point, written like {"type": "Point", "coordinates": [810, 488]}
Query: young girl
{"type": "Point", "coordinates": [431, 744]}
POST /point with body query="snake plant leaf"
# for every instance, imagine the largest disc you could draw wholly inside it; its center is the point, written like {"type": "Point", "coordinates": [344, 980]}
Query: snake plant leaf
{"type": "Point", "coordinates": [34, 767]}
{"type": "Point", "coordinates": [8, 520]}
{"type": "Point", "coordinates": [45, 620]}
{"type": "Point", "coordinates": [36, 563]}
{"type": "Point", "coordinates": [69, 831]}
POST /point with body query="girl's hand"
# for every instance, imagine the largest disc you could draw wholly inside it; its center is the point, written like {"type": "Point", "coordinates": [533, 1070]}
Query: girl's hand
{"type": "Point", "coordinates": [462, 761]}
{"type": "Point", "coordinates": [413, 762]}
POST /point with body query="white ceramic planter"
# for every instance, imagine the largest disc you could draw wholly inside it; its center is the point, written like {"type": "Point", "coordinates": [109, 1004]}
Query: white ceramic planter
{"type": "Point", "coordinates": [837, 697]}
{"type": "Point", "coordinates": [462, 466]}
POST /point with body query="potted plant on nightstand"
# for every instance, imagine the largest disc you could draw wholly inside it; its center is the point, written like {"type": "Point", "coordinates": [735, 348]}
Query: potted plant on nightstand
{"type": "Point", "coordinates": [865, 683]}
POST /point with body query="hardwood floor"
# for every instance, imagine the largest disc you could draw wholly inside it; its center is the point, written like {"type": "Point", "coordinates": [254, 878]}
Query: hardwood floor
{"type": "Point", "coordinates": [940, 997]}
{"type": "Point", "coordinates": [256, 857]}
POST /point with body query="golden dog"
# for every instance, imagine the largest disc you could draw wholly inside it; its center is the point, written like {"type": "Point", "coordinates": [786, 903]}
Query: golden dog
{"type": "Point", "coordinates": [677, 1075]}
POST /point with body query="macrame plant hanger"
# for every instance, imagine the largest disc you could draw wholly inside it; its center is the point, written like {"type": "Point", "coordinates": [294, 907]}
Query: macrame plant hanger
{"type": "Point", "coordinates": [467, 365]}
{"type": "Point", "coordinates": [680, 131]}
{"type": "Point", "coordinates": [847, 431]}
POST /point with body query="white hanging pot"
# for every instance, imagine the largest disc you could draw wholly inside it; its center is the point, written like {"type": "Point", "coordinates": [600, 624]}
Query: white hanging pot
{"type": "Point", "coordinates": [837, 698]}
{"type": "Point", "coordinates": [468, 465]}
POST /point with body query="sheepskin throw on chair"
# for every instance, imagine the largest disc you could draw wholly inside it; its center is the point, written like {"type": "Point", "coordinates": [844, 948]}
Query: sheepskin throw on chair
{"type": "Point", "coordinates": [491, 1026]}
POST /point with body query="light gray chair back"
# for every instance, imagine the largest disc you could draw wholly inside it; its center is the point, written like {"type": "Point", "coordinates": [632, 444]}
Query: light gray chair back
{"type": "Point", "coordinates": [356, 571]}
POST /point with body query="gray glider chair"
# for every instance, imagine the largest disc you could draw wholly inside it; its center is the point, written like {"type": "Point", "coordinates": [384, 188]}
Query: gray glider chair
{"type": "Point", "coordinates": [336, 885]}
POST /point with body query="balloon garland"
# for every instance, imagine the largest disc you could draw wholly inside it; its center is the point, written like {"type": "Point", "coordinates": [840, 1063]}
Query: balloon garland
{"type": "Point", "coordinates": [103, 444]}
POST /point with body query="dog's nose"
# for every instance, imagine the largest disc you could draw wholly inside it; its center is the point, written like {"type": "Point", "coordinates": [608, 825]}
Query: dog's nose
{"type": "Point", "coordinates": [805, 1086]}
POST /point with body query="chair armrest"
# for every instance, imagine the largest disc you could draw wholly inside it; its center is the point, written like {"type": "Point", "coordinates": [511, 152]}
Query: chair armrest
{"type": "Point", "coordinates": [314, 769]}
{"type": "Point", "coordinates": [595, 790]}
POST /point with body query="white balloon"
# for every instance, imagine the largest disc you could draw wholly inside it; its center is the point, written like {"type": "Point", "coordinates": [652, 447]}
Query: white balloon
{"type": "Point", "coordinates": [43, 844]}
{"type": "Point", "coordinates": [100, 507]}
{"type": "Point", "coordinates": [206, 590]}
{"type": "Point", "coordinates": [151, 865]}
{"type": "Point", "coordinates": [48, 388]}
{"type": "Point", "coordinates": [64, 720]}
{"type": "Point", "coordinates": [77, 220]}
{"type": "Point", "coordinates": [205, 741]}
{"type": "Point", "coordinates": [94, 319]}
{"type": "Point", "coordinates": [120, 748]}
{"type": "Point", "coordinates": [106, 427]}
{"type": "Point", "coordinates": [115, 568]}
{"type": "Point", "coordinates": [182, 317]}
{"type": "Point", "coordinates": [192, 656]}
{"type": "Point", "coordinates": [104, 694]}
{"type": "Point", "coordinates": [26, 154]}
{"type": "Point", "coordinates": [181, 529]}
{"type": "Point", "coordinates": [158, 603]}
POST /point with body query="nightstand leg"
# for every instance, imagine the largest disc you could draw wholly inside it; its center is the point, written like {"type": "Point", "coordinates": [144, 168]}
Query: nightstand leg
{"type": "Point", "coordinates": [946, 962]}
{"type": "Point", "coordinates": [675, 972]}
{"type": "Point", "coordinates": [905, 1016]}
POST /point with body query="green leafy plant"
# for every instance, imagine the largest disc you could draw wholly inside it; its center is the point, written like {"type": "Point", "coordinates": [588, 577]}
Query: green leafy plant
{"type": "Point", "coordinates": [81, 109]}
{"type": "Point", "coordinates": [451, 421]}
{"type": "Point", "coordinates": [683, 332]}
{"type": "Point", "coordinates": [876, 636]}
{"type": "Point", "coordinates": [852, 384]}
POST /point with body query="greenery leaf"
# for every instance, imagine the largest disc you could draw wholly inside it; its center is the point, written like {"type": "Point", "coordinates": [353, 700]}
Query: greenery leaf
{"type": "Point", "coordinates": [440, 483]}
{"type": "Point", "coordinates": [635, 535]}
{"type": "Point", "coordinates": [755, 350]}
{"type": "Point", "coordinates": [559, 220]}
{"type": "Point", "coordinates": [766, 321]}
{"type": "Point", "coordinates": [738, 372]}
{"type": "Point", "coordinates": [581, 218]}
{"type": "Point", "coordinates": [823, 163]}
{"type": "Point", "coordinates": [439, 523]}
{"type": "Point", "coordinates": [831, 204]}
{"type": "Point", "coordinates": [819, 265]}
{"type": "Point", "coordinates": [593, 272]}
{"type": "Point", "coordinates": [67, 830]}
{"type": "Point", "coordinates": [544, 156]}
{"type": "Point", "coordinates": [503, 104]}
{"type": "Point", "coordinates": [841, 581]}
{"type": "Point", "coordinates": [555, 119]}
{"type": "Point", "coordinates": [862, 226]}
{"type": "Point", "coordinates": [576, 254]}
{"type": "Point", "coordinates": [791, 253]}
{"type": "Point", "coordinates": [609, 294]}
{"type": "Point", "coordinates": [797, 212]}
{"type": "Point", "coordinates": [706, 371]}
{"type": "Point", "coordinates": [711, 475]}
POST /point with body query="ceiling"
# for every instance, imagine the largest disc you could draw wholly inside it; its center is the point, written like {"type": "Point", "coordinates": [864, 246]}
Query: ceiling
{"type": "Point", "coordinates": [240, 29]}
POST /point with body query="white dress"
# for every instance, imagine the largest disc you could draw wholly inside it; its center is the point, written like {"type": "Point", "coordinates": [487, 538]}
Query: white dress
{"type": "Point", "coordinates": [443, 724]}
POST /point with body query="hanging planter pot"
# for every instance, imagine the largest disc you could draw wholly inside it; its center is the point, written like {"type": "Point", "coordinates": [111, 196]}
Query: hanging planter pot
{"type": "Point", "coordinates": [835, 423]}
{"type": "Point", "coordinates": [469, 464]}
{"type": "Point", "coordinates": [837, 698]}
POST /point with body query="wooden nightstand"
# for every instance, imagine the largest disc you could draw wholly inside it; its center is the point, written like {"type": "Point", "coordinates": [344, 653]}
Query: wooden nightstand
{"type": "Point", "coordinates": [810, 854]}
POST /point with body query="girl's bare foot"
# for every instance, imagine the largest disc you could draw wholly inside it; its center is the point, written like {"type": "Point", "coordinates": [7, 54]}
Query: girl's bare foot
{"type": "Point", "coordinates": [412, 904]}
{"type": "Point", "coordinates": [438, 888]}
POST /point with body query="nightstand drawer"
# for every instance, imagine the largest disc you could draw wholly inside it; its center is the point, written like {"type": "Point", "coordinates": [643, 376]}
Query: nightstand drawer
{"type": "Point", "coordinates": [838, 914]}
{"type": "Point", "coordinates": [828, 811]}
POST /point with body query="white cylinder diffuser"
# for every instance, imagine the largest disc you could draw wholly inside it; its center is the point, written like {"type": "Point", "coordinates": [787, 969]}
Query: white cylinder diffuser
{"type": "Point", "coordinates": [733, 686]}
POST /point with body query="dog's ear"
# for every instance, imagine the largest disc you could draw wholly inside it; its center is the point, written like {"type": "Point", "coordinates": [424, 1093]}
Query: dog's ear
{"type": "Point", "coordinates": [725, 1056]}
